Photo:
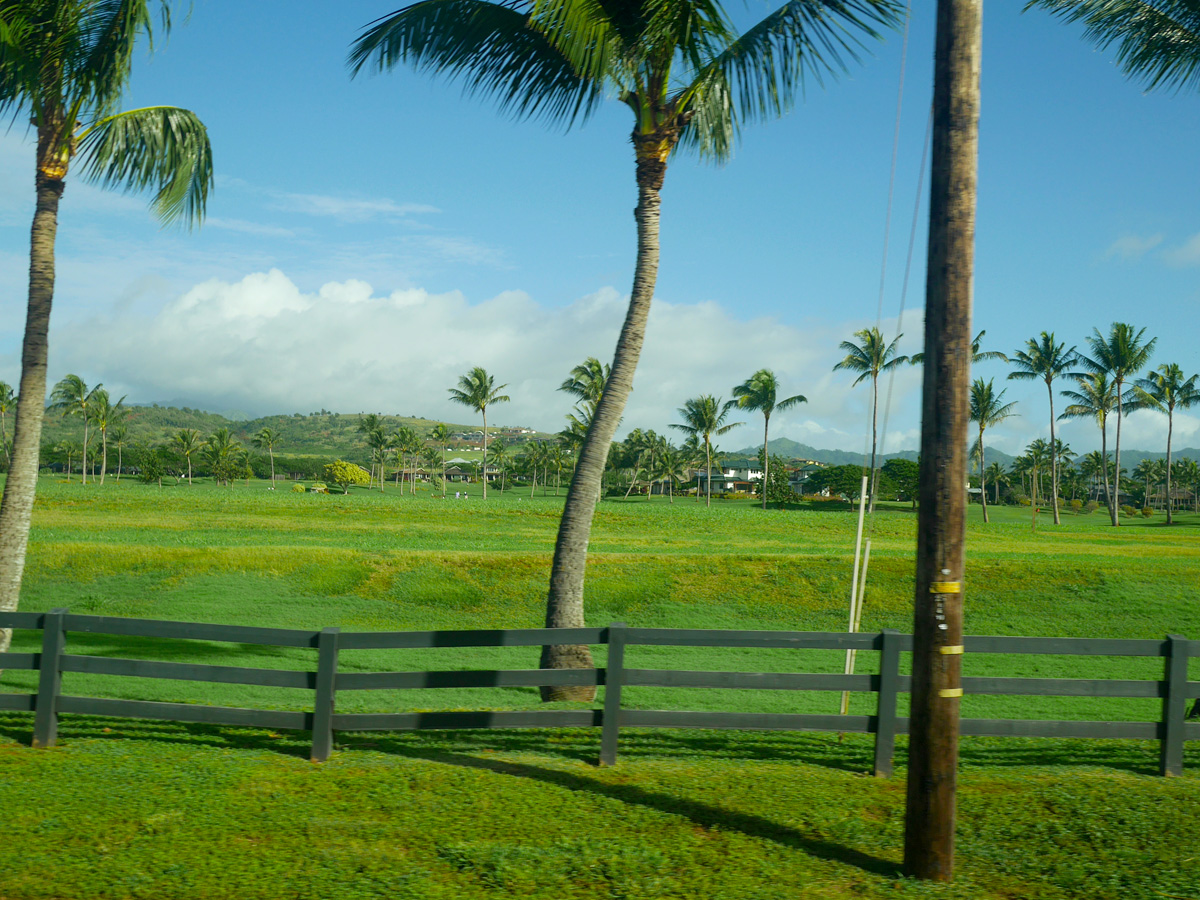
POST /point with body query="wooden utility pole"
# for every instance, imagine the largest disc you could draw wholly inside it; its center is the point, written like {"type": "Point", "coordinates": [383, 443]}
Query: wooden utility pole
{"type": "Point", "coordinates": [941, 522]}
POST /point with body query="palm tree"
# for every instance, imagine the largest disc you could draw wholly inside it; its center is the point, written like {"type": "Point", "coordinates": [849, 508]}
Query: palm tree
{"type": "Point", "coordinates": [704, 417]}
{"type": "Point", "coordinates": [72, 397]}
{"type": "Point", "coordinates": [8, 402]}
{"type": "Point", "coordinates": [672, 466]}
{"type": "Point", "coordinates": [1122, 355]}
{"type": "Point", "coordinates": [500, 460]}
{"type": "Point", "coordinates": [1095, 399]}
{"type": "Point", "coordinates": [64, 64]}
{"type": "Point", "coordinates": [440, 435]}
{"type": "Point", "coordinates": [872, 357]}
{"type": "Point", "coordinates": [995, 473]}
{"type": "Point", "coordinates": [478, 390]}
{"type": "Point", "coordinates": [267, 438]}
{"type": "Point", "coordinates": [1038, 457]}
{"type": "Point", "coordinates": [106, 414]}
{"type": "Point", "coordinates": [988, 409]}
{"type": "Point", "coordinates": [1166, 390]}
{"type": "Point", "coordinates": [586, 384]}
{"type": "Point", "coordinates": [408, 445]}
{"type": "Point", "coordinates": [221, 452]}
{"type": "Point", "coordinates": [1158, 41]}
{"type": "Point", "coordinates": [690, 80]}
{"type": "Point", "coordinates": [187, 441]}
{"type": "Point", "coordinates": [758, 392]}
{"type": "Point", "coordinates": [119, 438]}
{"type": "Point", "coordinates": [1144, 471]}
{"type": "Point", "coordinates": [1187, 473]}
{"type": "Point", "coordinates": [380, 444]}
{"type": "Point", "coordinates": [1044, 359]}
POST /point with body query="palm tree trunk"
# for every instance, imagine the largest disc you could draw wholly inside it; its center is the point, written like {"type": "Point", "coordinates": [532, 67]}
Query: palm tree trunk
{"type": "Point", "coordinates": [483, 471]}
{"type": "Point", "coordinates": [564, 605]}
{"type": "Point", "coordinates": [874, 415]}
{"type": "Point", "coordinates": [1170, 426]}
{"type": "Point", "coordinates": [83, 466]}
{"type": "Point", "coordinates": [1114, 506]}
{"type": "Point", "coordinates": [708, 471]}
{"type": "Point", "coordinates": [16, 508]}
{"type": "Point", "coordinates": [271, 453]}
{"type": "Point", "coordinates": [983, 476]}
{"type": "Point", "coordinates": [766, 457]}
{"type": "Point", "coordinates": [119, 462]}
{"type": "Point", "coordinates": [1053, 459]}
{"type": "Point", "coordinates": [103, 453]}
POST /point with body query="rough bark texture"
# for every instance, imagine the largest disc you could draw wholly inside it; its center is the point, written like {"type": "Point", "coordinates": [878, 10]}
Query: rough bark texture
{"type": "Point", "coordinates": [941, 522]}
{"type": "Point", "coordinates": [1114, 505]}
{"type": "Point", "coordinates": [766, 457]}
{"type": "Point", "coordinates": [983, 476]}
{"type": "Point", "coordinates": [564, 606]}
{"type": "Point", "coordinates": [1053, 458]}
{"type": "Point", "coordinates": [17, 505]}
{"type": "Point", "coordinates": [483, 471]}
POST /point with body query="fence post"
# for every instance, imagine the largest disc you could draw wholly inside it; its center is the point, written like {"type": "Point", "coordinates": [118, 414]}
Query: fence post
{"type": "Point", "coordinates": [45, 716]}
{"type": "Point", "coordinates": [1174, 706]}
{"type": "Point", "coordinates": [614, 678]}
{"type": "Point", "coordinates": [327, 661]}
{"type": "Point", "coordinates": [885, 713]}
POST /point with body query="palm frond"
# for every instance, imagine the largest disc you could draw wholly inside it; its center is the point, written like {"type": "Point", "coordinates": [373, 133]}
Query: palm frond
{"type": "Point", "coordinates": [163, 148]}
{"type": "Point", "coordinates": [757, 75]}
{"type": "Point", "coordinates": [1158, 41]}
{"type": "Point", "coordinates": [104, 43]}
{"type": "Point", "coordinates": [494, 49]}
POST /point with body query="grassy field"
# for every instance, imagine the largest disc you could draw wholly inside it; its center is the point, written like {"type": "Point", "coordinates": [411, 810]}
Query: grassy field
{"type": "Point", "coordinates": [140, 809]}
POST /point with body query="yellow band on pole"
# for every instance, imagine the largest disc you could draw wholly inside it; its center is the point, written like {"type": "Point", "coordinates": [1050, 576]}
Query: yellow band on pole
{"type": "Point", "coordinates": [945, 587]}
{"type": "Point", "coordinates": [950, 692]}
{"type": "Point", "coordinates": [951, 650]}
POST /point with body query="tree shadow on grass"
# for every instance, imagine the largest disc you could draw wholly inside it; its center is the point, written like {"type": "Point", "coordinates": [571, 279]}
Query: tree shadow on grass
{"type": "Point", "coordinates": [702, 814]}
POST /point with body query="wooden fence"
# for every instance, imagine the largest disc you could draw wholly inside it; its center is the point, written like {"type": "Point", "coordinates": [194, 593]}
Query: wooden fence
{"type": "Point", "coordinates": [1171, 730]}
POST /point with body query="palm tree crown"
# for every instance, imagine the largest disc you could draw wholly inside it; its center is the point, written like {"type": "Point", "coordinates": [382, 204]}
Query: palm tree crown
{"type": "Point", "coordinates": [987, 409]}
{"type": "Point", "coordinates": [704, 418]}
{"type": "Point", "coordinates": [871, 357]}
{"type": "Point", "coordinates": [759, 392]}
{"type": "Point", "coordinates": [1167, 390]}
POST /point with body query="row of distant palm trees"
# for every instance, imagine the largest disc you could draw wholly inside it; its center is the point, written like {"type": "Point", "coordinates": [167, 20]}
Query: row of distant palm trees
{"type": "Point", "coordinates": [1106, 382]}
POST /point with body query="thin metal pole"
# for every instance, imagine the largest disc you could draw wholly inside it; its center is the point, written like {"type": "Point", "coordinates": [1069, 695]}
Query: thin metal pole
{"type": "Point", "coordinates": [862, 508]}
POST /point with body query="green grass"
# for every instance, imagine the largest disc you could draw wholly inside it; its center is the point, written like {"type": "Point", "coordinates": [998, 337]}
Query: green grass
{"type": "Point", "coordinates": [127, 809]}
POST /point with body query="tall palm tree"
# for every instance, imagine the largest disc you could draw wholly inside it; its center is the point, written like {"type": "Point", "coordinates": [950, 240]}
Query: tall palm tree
{"type": "Point", "coordinates": [440, 435]}
{"type": "Point", "coordinates": [72, 397]}
{"type": "Point", "coordinates": [1166, 390]}
{"type": "Point", "coordinates": [1122, 354]}
{"type": "Point", "coordinates": [187, 442]}
{"type": "Point", "coordinates": [759, 392]}
{"type": "Point", "coordinates": [987, 409]}
{"type": "Point", "coordinates": [379, 442]}
{"type": "Point", "coordinates": [266, 438]}
{"type": "Point", "coordinates": [871, 357]}
{"type": "Point", "coordinates": [690, 80]}
{"type": "Point", "coordinates": [222, 452]}
{"type": "Point", "coordinates": [478, 390]}
{"type": "Point", "coordinates": [1043, 358]}
{"type": "Point", "coordinates": [995, 473]}
{"type": "Point", "coordinates": [106, 414]}
{"type": "Point", "coordinates": [1158, 41]}
{"type": "Point", "coordinates": [8, 402]}
{"type": "Point", "coordinates": [63, 67]}
{"type": "Point", "coordinates": [1095, 399]}
{"type": "Point", "coordinates": [704, 418]}
{"type": "Point", "coordinates": [119, 438]}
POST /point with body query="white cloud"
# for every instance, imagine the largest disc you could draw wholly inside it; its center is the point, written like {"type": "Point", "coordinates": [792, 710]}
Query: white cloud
{"type": "Point", "coordinates": [350, 209]}
{"type": "Point", "coordinates": [244, 227]}
{"type": "Point", "coordinates": [1131, 247]}
{"type": "Point", "coordinates": [1185, 254]}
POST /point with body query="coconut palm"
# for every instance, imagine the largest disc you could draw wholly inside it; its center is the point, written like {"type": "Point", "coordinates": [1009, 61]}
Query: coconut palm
{"type": "Point", "coordinates": [995, 474]}
{"type": "Point", "coordinates": [266, 438]}
{"type": "Point", "coordinates": [987, 409]}
{"type": "Point", "coordinates": [440, 435]}
{"type": "Point", "coordinates": [978, 354]}
{"type": "Point", "coordinates": [671, 468]}
{"type": "Point", "coordinates": [187, 442]}
{"type": "Point", "coordinates": [1158, 41]}
{"type": "Point", "coordinates": [586, 384]}
{"type": "Point", "coordinates": [871, 358]}
{"type": "Point", "coordinates": [72, 397]}
{"type": "Point", "coordinates": [8, 402]}
{"type": "Point", "coordinates": [1095, 399]}
{"type": "Point", "coordinates": [1166, 390]}
{"type": "Point", "coordinates": [759, 392]}
{"type": "Point", "coordinates": [690, 80]}
{"type": "Point", "coordinates": [500, 459]}
{"type": "Point", "coordinates": [1122, 354]}
{"type": "Point", "coordinates": [63, 67]}
{"type": "Point", "coordinates": [106, 414]}
{"type": "Point", "coordinates": [1043, 358]}
{"type": "Point", "coordinates": [704, 418]}
{"type": "Point", "coordinates": [1186, 473]}
{"type": "Point", "coordinates": [478, 390]}
{"type": "Point", "coordinates": [223, 453]}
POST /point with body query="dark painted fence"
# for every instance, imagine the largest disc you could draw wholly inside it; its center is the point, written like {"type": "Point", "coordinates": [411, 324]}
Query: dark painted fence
{"type": "Point", "coordinates": [1171, 730]}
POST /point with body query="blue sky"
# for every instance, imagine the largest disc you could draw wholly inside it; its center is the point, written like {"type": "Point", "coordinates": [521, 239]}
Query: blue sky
{"type": "Point", "coordinates": [369, 240]}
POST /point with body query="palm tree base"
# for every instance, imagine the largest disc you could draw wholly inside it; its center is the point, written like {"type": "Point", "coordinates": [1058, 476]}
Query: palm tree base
{"type": "Point", "coordinates": [568, 656]}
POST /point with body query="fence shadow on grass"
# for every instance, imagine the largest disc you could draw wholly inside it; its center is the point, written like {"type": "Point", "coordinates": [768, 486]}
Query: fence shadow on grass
{"type": "Point", "coordinates": [702, 814]}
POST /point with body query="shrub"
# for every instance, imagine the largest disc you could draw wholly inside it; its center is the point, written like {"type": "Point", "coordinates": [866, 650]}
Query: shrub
{"type": "Point", "coordinates": [1091, 506]}
{"type": "Point", "coordinates": [318, 487]}
{"type": "Point", "coordinates": [1077, 505]}
{"type": "Point", "coordinates": [298, 489]}
{"type": "Point", "coordinates": [1127, 510]}
{"type": "Point", "coordinates": [1024, 501]}
{"type": "Point", "coordinates": [345, 474]}
{"type": "Point", "coordinates": [1147, 512]}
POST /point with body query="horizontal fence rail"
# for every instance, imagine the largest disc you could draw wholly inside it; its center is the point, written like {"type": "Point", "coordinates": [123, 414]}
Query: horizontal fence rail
{"type": "Point", "coordinates": [1171, 730]}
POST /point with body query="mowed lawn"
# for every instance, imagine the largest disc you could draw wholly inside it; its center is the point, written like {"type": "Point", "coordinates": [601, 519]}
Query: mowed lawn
{"type": "Point", "coordinates": [144, 809]}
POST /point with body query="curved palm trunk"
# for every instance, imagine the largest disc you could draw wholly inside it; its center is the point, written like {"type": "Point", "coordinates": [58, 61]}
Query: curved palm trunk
{"type": "Point", "coordinates": [271, 453]}
{"type": "Point", "coordinates": [766, 457]}
{"type": "Point", "coordinates": [83, 465]}
{"type": "Point", "coordinates": [874, 433]}
{"type": "Point", "coordinates": [119, 463]}
{"type": "Point", "coordinates": [982, 476]}
{"type": "Point", "coordinates": [707, 472]}
{"type": "Point", "coordinates": [564, 605]}
{"type": "Point", "coordinates": [1104, 464]}
{"type": "Point", "coordinates": [17, 506]}
{"type": "Point", "coordinates": [483, 471]}
{"type": "Point", "coordinates": [1053, 459]}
